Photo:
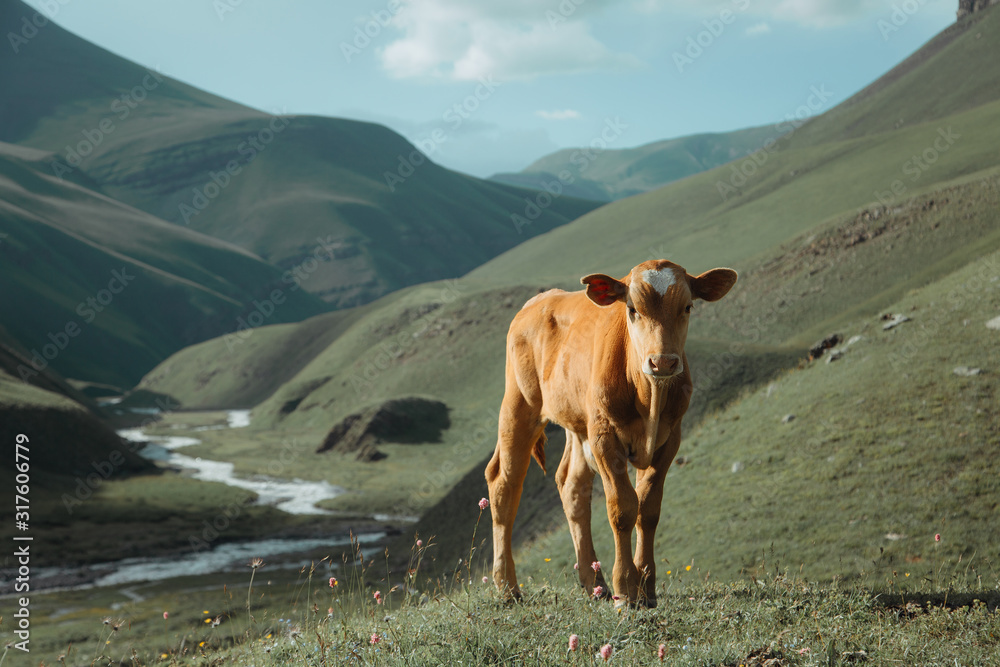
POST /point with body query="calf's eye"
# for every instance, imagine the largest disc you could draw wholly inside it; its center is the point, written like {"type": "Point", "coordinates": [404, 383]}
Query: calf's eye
{"type": "Point", "coordinates": [688, 309]}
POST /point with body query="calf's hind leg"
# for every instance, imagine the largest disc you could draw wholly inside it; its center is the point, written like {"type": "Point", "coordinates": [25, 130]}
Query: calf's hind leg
{"type": "Point", "coordinates": [575, 480]}
{"type": "Point", "coordinates": [519, 429]}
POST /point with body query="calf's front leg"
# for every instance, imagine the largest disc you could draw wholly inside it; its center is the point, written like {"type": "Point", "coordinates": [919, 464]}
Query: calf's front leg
{"type": "Point", "coordinates": [649, 489]}
{"type": "Point", "coordinates": [623, 509]}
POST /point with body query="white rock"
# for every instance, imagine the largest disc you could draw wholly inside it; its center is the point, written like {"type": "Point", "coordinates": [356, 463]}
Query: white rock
{"type": "Point", "coordinates": [738, 466]}
{"type": "Point", "coordinates": [994, 324]}
{"type": "Point", "coordinates": [787, 418]}
{"type": "Point", "coordinates": [966, 372]}
{"type": "Point", "coordinates": [895, 322]}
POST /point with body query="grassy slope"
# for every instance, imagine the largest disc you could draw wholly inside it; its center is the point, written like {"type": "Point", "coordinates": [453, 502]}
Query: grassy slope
{"type": "Point", "coordinates": [436, 341]}
{"type": "Point", "coordinates": [791, 193]}
{"type": "Point", "coordinates": [855, 146]}
{"type": "Point", "coordinates": [241, 370]}
{"type": "Point", "coordinates": [616, 173]}
{"type": "Point", "coordinates": [888, 447]}
{"type": "Point", "coordinates": [289, 617]}
{"type": "Point", "coordinates": [313, 179]}
{"type": "Point", "coordinates": [62, 243]}
{"type": "Point", "coordinates": [958, 60]}
{"type": "Point", "coordinates": [813, 257]}
{"type": "Point", "coordinates": [323, 180]}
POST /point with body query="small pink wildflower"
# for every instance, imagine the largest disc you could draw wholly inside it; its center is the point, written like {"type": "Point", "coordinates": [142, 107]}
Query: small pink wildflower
{"type": "Point", "coordinates": [574, 642]}
{"type": "Point", "coordinates": [661, 652]}
{"type": "Point", "coordinates": [596, 566]}
{"type": "Point", "coordinates": [333, 581]}
{"type": "Point", "coordinates": [484, 503]}
{"type": "Point", "coordinates": [598, 591]}
{"type": "Point", "coordinates": [803, 651]}
{"type": "Point", "coordinates": [576, 566]}
{"type": "Point", "coordinates": [375, 639]}
{"type": "Point", "coordinates": [420, 543]}
{"type": "Point", "coordinates": [486, 580]}
{"type": "Point", "coordinates": [166, 615]}
{"type": "Point", "coordinates": [937, 537]}
{"type": "Point", "coordinates": [606, 652]}
{"type": "Point", "coordinates": [378, 597]}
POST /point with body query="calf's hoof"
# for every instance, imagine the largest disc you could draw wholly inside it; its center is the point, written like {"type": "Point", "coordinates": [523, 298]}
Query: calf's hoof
{"type": "Point", "coordinates": [640, 603]}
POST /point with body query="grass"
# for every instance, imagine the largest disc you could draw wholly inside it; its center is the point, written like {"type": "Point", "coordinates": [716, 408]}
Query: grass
{"type": "Point", "coordinates": [374, 613]}
{"type": "Point", "coordinates": [887, 448]}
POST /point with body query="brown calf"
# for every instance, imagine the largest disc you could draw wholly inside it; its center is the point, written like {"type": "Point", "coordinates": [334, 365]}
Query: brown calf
{"type": "Point", "coordinates": [614, 375]}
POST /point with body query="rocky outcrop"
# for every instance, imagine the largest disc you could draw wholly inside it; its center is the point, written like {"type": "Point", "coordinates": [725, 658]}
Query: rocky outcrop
{"type": "Point", "coordinates": [966, 7]}
{"type": "Point", "coordinates": [401, 420]}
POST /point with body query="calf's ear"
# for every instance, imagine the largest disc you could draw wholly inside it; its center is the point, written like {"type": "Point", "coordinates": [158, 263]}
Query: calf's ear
{"type": "Point", "coordinates": [713, 285]}
{"type": "Point", "coordinates": [604, 290]}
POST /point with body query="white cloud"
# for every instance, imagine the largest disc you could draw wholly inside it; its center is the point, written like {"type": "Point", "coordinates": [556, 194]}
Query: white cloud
{"type": "Point", "coordinates": [810, 13]}
{"type": "Point", "coordinates": [761, 28]}
{"type": "Point", "coordinates": [823, 13]}
{"type": "Point", "coordinates": [513, 39]}
{"type": "Point", "coordinates": [558, 114]}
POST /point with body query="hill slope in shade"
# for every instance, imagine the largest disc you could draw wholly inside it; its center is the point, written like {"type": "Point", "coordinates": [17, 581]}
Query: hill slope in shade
{"type": "Point", "coordinates": [62, 431]}
{"type": "Point", "coordinates": [609, 174]}
{"type": "Point", "coordinates": [101, 291]}
{"type": "Point", "coordinates": [285, 188]}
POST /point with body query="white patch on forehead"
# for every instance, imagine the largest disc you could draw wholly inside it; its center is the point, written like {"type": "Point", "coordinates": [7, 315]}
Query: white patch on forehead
{"type": "Point", "coordinates": [660, 280]}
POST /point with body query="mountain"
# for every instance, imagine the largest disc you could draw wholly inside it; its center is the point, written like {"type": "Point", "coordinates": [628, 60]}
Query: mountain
{"type": "Point", "coordinates": [352, 209]}
{"type": "Point", "coordinates": [606, 175]}
{"type": "Point", "coordinates": [820, 170]}
{"type": "Point", "coordinates": [102, 291]}
{"type": "Point", "coordinates": [826, 233]}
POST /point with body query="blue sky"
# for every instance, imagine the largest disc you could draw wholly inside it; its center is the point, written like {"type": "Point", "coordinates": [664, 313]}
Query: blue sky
{"type": "Point", "coordinates": [528, 76]}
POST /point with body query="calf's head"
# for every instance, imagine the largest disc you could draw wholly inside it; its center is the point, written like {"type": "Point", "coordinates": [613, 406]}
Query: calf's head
{"type": "Point", "coordinates": [658, 297]}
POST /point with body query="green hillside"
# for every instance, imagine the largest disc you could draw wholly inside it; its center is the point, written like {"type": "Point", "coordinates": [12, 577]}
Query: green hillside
{"type": "Point", "coordinates": [606, 175]}
{"type": "Point", "coordinates": [351, 209]}
{"type": "Point", "coordinates": [954, 72]}
{"type": "Point", "coordinates": [818, 171]}
{"type": "Point", "coordinates": [242, 369]}
{"type": "Point", "coordinates": [889, 446]}
{"type": "Point", "coordinates": [692, 222]}
{"type": "Point", "coordinates": [815, 249]}
{"type": "Point", "coordinates": [102, 291]}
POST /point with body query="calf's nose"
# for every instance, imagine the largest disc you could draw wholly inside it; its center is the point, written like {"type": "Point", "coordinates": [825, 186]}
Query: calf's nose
{"type": "Point", "coordinates": [664, 364]}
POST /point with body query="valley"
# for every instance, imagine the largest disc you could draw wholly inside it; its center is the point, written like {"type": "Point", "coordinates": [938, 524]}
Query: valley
{"type": "Point", "coordinates": [221, 355]}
